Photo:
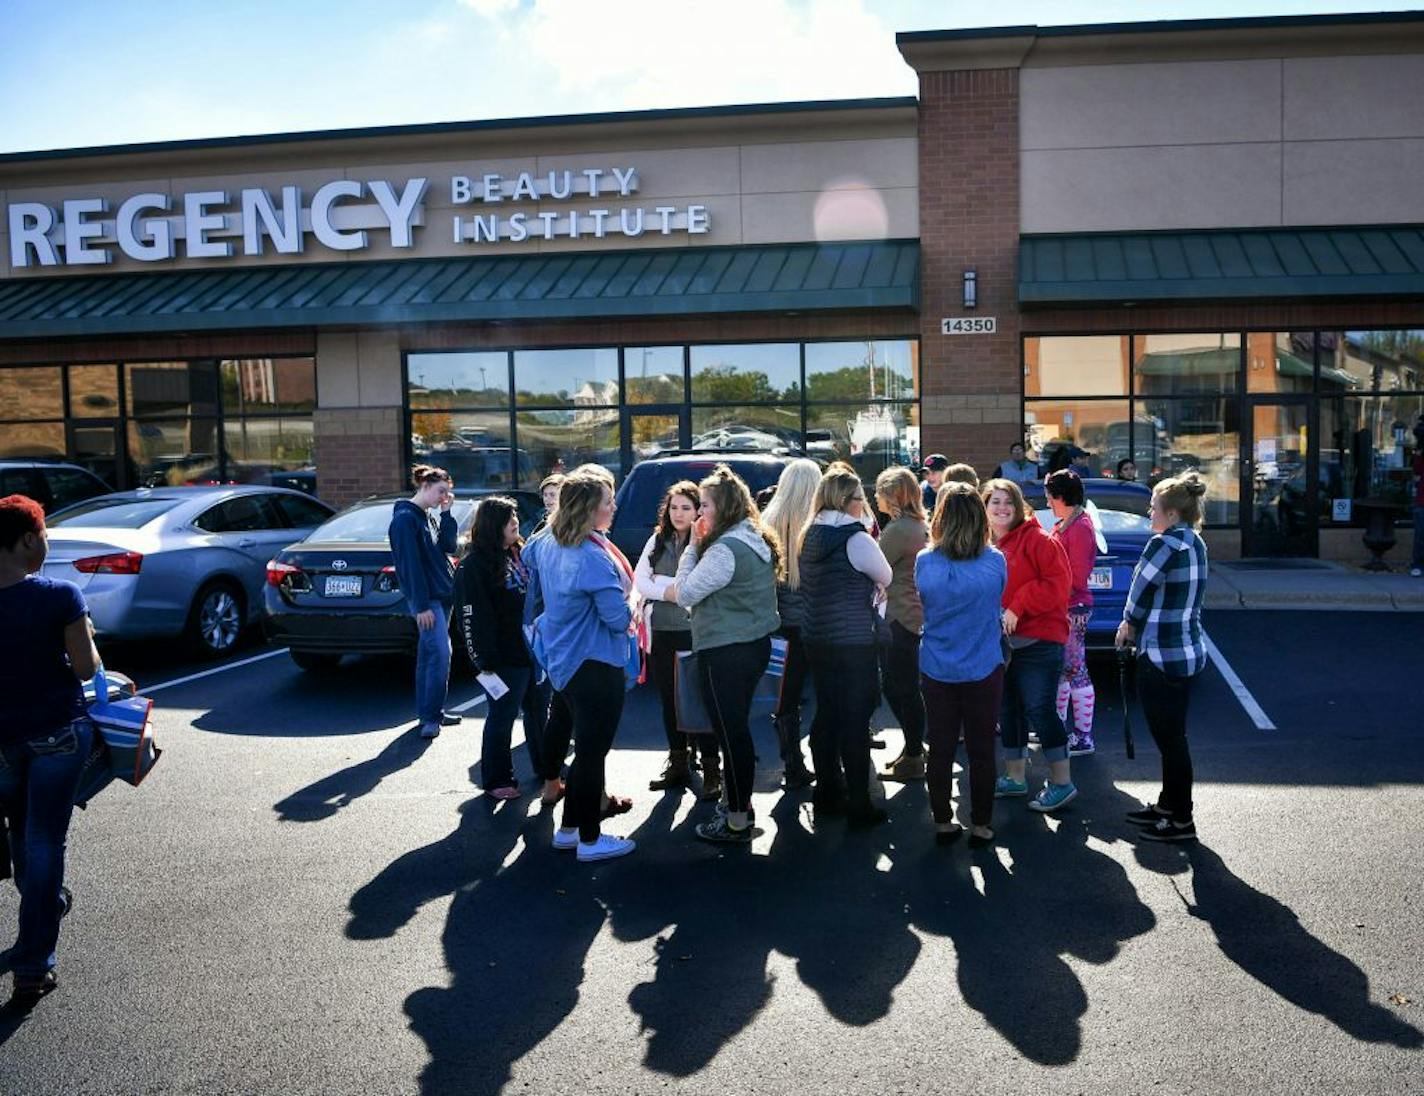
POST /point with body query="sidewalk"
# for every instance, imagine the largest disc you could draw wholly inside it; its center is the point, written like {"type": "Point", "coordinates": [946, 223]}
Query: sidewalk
{"type": "Point", "coordinates": [1249, 584]}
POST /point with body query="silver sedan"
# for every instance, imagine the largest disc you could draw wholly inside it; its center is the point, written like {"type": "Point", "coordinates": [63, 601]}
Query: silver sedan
{"type": "Point", "coordinates": [177, 561]}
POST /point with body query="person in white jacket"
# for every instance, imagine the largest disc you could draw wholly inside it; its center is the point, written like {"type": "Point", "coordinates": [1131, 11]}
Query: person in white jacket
{"type": "Point", "coordinates": [843, 576]}
{"type": "Point", "coordinates": [671, 630]}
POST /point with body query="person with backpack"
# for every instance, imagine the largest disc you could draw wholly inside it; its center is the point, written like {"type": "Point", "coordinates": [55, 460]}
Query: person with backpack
{"type": "Point", "coordinates": [422, 547]}
{"type": "Point", "coordinates": [727, 581]}
{"type": "Point", "coordinates": [843, 573]}
{"type": "Point", "coordinates": [46, 652]}
{"type": "Point", "coordinates": [492, 584]}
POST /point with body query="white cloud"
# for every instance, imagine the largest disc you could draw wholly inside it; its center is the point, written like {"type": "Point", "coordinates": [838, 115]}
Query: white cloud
{"type": "Point", "coordinates": [490, 9]}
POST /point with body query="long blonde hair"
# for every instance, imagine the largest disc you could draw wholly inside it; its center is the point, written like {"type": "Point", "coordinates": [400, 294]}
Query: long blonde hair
{"type": "Point", "coordinates": [790, 508]}
{"type": "Point", "coordinates": [735, 505]}
{"type": "Point", "coordinates": [580, 496]}
{"type": "Point", "coordinates": [838, 488]}
{"type": "Point", "coordinates": [900, 491]}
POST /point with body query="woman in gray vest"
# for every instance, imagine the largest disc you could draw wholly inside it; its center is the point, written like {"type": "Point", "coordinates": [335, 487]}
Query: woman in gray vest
{"type": "Point", "coordinates": [842, 570]}
{"type": "Point", "coordinates": [727, 580]}
{"type": "Point", "coordinates": [671, 628]}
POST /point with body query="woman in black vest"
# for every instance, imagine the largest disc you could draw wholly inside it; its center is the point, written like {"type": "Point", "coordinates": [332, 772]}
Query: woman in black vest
{"type": "Point", "coordinates": [672, 632]}
{"type": "Point", "coordinates": [842, 570]}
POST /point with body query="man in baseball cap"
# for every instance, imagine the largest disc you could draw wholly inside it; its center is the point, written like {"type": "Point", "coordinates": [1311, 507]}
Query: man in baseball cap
{"type": "Point", "coordinates": [933, 468]}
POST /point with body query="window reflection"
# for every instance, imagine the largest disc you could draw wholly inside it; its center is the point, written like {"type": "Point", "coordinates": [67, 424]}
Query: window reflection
{"type": "Point", "coordinates": [472, 446]}
{"type": "Point", "coordinates": [458, 380]}
{"type": "Point", "coordinates": [653, 374]}
{"type": "Point", "coordinates": [267, 385]}
{"type": "Point", "coordinates": [1366, 449]}
{"type": "Point", "coordinates": [258, 447]}
{"type": "Point", "coordinates": [870, 438]}
{"type": "Point", "coordinates": [559, 441]}
{"type": "Point", "coordinates": [747, 373]}
{"type": "Point", "coordinates": [1281, 362]}
{"type": "Point", "coordinates": [1076, 365]}
{"type": "Point", "coordinates": [1371, 361]}
{"type": "Point", "coordinates": [32, 439]}
{"type": "Point", "coordinates": [173, 452]}
{"type": "Point", "coordinates": [1200, 434]}
{"type": "Point", "coordinates": [869, 370]}
{"type": "Point", "coordinates": [767, 428]}
{"type": "Point", "coordinates": [31, 393]}
{"type": "Point", "coordinates": [172, 388]}
{"type": "Point", "coordinates": [93, 391]}
{"type": "Point", "coordinates": [1168, 365]}
{"type": "Point", "coordinates": [1101, 427]}
{"type": "Point", "coordinates": [555, 378]}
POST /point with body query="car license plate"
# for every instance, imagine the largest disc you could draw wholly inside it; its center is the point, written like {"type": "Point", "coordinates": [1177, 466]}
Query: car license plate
{"type": "Point", "coordinates": [343, 586]}
{"type": "Point", "coordinates": [1100, 579]}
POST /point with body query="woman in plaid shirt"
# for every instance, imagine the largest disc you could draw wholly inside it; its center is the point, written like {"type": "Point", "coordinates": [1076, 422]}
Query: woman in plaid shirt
{"type": "Point", "coordinates": [1163, 618]}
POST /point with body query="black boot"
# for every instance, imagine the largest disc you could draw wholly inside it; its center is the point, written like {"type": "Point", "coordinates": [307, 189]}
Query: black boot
{"type": "Point", "coordinates": [675, 772]}
{"type": "Point", "coordinates": [788, 737]}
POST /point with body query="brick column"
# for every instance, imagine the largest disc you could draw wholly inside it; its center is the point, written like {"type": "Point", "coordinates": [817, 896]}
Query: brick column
{"type": "Point", "coordinates": [969, 218]}
{"type": "Point", "coordinates": [359, 452]}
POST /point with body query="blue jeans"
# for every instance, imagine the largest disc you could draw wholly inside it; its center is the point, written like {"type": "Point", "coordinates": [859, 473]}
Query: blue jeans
{"type": "Point", "coordinates": [1031, 698]}
{"type": "Point", "coordinates": [1418, 537]}
{"type": "Point", "coordinates": [38, 779]}
{"type": "Point", "coordinates": [496, 762]}
{"type": "Point", "coordinates": [432, 669]}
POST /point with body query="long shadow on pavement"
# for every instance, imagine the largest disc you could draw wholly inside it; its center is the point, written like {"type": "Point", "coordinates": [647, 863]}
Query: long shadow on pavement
{"type": "Point", "coordinates": [325, 797]}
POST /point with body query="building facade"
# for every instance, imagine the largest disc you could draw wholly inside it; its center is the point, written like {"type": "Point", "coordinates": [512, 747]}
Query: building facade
{"type": "Point", "coordinates": [1196, 245]}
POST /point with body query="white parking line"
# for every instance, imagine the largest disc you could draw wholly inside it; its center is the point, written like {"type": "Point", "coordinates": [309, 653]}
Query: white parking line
{"type": "Point", "coordinates": [1237, 686]}
{"type": "Point", "coordinates": [460, 709]}
{"type": "Point", "coordinates": [146, 689]}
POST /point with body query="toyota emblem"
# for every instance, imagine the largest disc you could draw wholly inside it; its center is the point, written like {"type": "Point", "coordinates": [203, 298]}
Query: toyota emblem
{"type": "Point", "coordinates": [338, 565]}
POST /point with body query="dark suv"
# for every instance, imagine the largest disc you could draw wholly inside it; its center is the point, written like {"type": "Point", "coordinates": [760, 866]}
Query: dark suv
{"type": "Point", "coordinates": [649, 480]}
{"type": "Point", "coordinates": [54, 486]}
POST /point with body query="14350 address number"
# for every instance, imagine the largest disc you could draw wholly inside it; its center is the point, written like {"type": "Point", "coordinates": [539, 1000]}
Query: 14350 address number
{"type": "Point", "coordinates": [968, 325]}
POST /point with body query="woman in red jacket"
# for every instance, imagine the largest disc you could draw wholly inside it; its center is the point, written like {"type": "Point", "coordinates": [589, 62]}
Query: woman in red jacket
{"type": "Point", "coordinates": [1036, 630]}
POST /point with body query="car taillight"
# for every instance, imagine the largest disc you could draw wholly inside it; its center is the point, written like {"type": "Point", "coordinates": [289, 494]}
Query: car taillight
{"type": "Point", "coordinates": [278, 572]}
{"type": "Point", "coordinates": [386, 581]}
{"type": "Point", "coordinates": [119, 563]}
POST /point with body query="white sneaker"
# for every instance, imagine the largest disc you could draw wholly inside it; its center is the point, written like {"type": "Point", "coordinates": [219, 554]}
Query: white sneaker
{"type": "Point", "coordinates": [605, 848]}
{"type": "Point", "coordinates": [430, 730]}
{"type": "Point", "coordinates": [566, 840]}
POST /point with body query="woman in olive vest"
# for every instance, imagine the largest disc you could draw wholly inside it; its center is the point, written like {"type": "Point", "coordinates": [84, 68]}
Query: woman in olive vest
{"type": "Point", "coordinates": [842, 572]}
{"type": "Point", "coordinates": [672, 632]}
{"type": "Point", "coordinates": [727, 580]}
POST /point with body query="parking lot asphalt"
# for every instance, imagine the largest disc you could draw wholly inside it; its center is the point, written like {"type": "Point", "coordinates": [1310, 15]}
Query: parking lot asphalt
{"type": "Point", "coordinates": [307, 898]}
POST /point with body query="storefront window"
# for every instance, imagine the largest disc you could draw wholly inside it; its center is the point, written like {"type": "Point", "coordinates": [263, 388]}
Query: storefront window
{"type": "Point", "coordinates": [1366, 449]}
{"type": "Point", "coordinates": [31, 393]}
{"type": "Point", "coordinates": [557, 378]}
{"type": "Point", "coordinates": [1372, 361]}
{"type": "Point", "coordinates": [1280, 362]}
{"type": "Point", "coordinates": [173, 452]}
{"type": "Point", "coordinates": [259, 447]}
{"type": "Point", "coordinates": [870, 370]}
{"type": "Point", "coordinates": [754, 373]}
{"type": "Point", "coordinates": [769, 428]}
{"type": "Point", "coordinates": [171, 388]}
{"type": "Point", "coordinates": [1077, 365]}
{"type": "Point", "coordinates": [1201, 434]}
{"type": "Point", "coordinates": [32, 439]}
{"type": "Point", "coordinates": [870, 438]}
{"type": "Point", "coordinates": [1101, 427]}
{"type": "Point", "coordinates": [472, 446]}
{"type": "Point", "coordinates": [1173, 365]}
{"type": "Point", "coordinates": [458, 380]}
{"type": "Point", "coordinates": [559, 441]}
{"type": "Point", "coordinates": [653, 374]}
{"type": "Point", "coordinates": [267, 385]}
{"type": "Point", "coordinates": [93, 391]}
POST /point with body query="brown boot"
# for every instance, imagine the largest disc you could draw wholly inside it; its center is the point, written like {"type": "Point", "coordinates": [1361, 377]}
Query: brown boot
{"type": "Point", "coordinates": [711, 776]}
{"type": "Point", "coordinates": [675, 773]}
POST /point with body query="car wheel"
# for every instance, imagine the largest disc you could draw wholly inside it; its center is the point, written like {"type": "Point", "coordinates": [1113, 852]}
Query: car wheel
{"type": "Point", "coordinates": [215, 624]}
{"type": "Point", "coordinates": [315, 663]}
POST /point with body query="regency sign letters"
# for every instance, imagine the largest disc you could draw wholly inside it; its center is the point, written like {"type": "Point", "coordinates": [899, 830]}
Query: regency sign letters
{"type": "Point", "coordinates": [341, 215]}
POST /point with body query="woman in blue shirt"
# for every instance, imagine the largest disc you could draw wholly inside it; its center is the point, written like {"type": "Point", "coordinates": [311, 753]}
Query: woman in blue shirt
{"type": "Point", "coordinates": [961, 581]}
{"type": "Point", "coordinates": [584, 633]}
{"type": "Point", "coordinates": [46, 650]}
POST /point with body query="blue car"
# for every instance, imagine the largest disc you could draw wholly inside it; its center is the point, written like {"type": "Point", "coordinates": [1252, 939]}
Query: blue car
{"type": "Point", "coordinates": [1120, 514]}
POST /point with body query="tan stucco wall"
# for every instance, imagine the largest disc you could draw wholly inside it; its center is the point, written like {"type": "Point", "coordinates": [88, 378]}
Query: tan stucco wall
{"type": "Point", "coordinates": [764, 179]}
{"type": "Point", "coordinates": [1186, 144]}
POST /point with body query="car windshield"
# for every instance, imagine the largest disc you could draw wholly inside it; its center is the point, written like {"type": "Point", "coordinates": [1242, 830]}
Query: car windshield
{"type": "Point", "coordinates": [113, 513]}
{"type": "Point", "coordinates": [644, 489]}
{"type": "Point", "coordinates": [369, 524]}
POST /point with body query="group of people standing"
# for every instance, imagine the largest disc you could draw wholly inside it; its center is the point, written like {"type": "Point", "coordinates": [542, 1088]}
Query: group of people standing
{"type": "Point", "coordinates": [966, 615]}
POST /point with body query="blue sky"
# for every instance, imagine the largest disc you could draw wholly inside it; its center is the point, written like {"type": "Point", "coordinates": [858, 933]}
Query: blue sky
{"type": "Point", "coordinates": [85, 72]}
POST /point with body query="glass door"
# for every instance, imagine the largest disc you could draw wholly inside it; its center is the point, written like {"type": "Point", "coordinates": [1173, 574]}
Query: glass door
{"type": "Point", "coordinates": [1278, 488]}
{"type": "Point", "coordinates": [649, 431]}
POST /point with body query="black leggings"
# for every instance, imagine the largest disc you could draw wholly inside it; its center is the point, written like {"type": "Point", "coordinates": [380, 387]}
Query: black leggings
{"type": "Point", "coordinates": [900, 679]}
{"type": "Point", "coordinates": [847, 693]}
{"type": "Point", "coordinates": [793, 678]}
{"type": "Point", "coordinates": [558, 733]}
{"type": "Point", "coordinates": [1164, 703]}
{"type": "Point", "coordinates": [661, 665]}
{"type": "Point", "coordinates": [595, 701]}
{"type": "Point", "coordinates": [729, 679]}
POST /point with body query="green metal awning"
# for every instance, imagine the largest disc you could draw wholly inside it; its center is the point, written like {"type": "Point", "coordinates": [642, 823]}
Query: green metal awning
{"type": "Point", "coordinates": [669, 281]}
{"type": "Point", "coordinates": [1239, 264]}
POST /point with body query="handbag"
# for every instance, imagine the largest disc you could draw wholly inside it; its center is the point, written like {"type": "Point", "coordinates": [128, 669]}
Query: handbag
{"type": "Point", "coordinates": [692, 714]}
{"type": "Point", "coordinates": [126, 729]}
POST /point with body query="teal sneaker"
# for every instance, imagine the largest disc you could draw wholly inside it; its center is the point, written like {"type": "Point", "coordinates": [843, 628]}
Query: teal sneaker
{"type": "Point", "coordinates": [1004, 788]}
{"type": "Point", "coordinates": [1052, 796]}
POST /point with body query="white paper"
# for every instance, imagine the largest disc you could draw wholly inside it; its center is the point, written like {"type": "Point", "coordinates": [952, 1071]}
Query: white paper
{"type": "Point", "coordinates": [493, 684]}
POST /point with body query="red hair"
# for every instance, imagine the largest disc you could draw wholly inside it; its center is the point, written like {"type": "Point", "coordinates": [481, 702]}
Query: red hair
{"type": "Point", "coordinates": [19, 515]}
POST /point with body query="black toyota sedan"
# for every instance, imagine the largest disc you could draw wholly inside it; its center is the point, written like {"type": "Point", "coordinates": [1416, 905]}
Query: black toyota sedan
{"type": "Point", "coordinates": [336, 593]}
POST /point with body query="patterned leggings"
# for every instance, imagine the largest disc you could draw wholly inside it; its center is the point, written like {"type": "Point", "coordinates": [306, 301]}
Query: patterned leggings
{"type": "Point", "coordinates": [1076, 685]}
{"type": "Point", "coordinates": [1075, 655]}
